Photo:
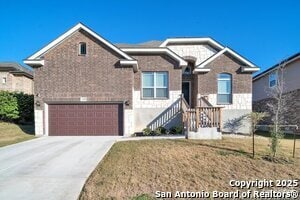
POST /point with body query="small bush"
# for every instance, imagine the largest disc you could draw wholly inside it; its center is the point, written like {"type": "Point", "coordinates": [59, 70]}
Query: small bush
{"type": "Point", "coordinates": [176, 130]}
{"type": "Point", "coordinates": [147, 132]}
{"type": "Point", "coordinates": [160, 131]}
{"type": "Point", "coordinates": [15, 106]}
{"type": "Point", "coordinates": [8, 106]}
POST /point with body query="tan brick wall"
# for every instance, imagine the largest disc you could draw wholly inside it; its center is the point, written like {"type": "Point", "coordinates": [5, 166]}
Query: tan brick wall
{"type": "Point", "coordinates": [22, 84]}
{"type": "Point", "coordinates": [8, 85]}
{"type": "Point", "coordinates": [68, 76]}
{"type": "Point", "coordinates": [17, 83]}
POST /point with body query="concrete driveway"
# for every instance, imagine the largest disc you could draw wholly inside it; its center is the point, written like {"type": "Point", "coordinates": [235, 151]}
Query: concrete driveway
{"type": "Point", "coordinates": [50, 167]}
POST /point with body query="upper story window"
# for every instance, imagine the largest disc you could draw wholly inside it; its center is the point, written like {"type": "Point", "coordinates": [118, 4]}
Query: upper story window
{"type": "Point", "coordinates": [82, 48]}
{"type": "Point", "coordinates": [224, 89]}
{"type": "Point", "coordinates": [4, 80]}
{"type": "Point", "coordinates": [272, 79]}
{"type": "Point", "coordinates": [187, 70]}
{"type": "Point", "coordinates": [155, 85]}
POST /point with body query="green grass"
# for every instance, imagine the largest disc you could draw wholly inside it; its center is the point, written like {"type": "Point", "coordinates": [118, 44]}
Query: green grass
{"type": "Point", "coordinates": [13, 133]}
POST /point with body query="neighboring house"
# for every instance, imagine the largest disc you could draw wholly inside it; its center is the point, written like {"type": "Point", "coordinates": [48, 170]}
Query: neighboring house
{"type": "Point", "coordinates": [265, 81]}
{"type": "Point", "coordinates": [85, 85]}
{"type": "Point", "coordinates": [15, 77]}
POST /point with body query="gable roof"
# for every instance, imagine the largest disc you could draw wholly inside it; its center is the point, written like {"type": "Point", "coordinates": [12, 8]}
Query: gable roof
{"type": "Point", "coordinates": [285, 61]}
{"type": "Point", "coordinates": [151, 43]}
{"type": "Point", "coordinates": [249, 68]}
{"type": "Point", "coordinates": [197, 40]}
{"type": "Point", "coordinates": [15, 68]}
{"type": "Point", "coordinates": [35, 59]}
{"type": "Point", "coordinates": [154, 50]}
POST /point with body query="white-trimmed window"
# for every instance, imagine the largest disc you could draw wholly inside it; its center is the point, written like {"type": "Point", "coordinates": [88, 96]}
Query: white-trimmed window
{"type": "Point", "coordinates": [82, 48]}
{"type": "Point", "coordinates": [4, 80]}
{"type": "Point", "coordinates": [155, 85]}
{"type": "Point", "coordinates": [272, 79]}
{"type": "Point", "coordinates": [224, 89]}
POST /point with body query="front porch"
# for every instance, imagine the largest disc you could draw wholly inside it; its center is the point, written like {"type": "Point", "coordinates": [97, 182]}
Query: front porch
{"type": "Point", "coordinates": [202, 122]}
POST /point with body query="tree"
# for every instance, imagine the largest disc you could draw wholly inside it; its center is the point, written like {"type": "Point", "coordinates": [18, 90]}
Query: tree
{"type": "Point", "coordinates": [255, 118]}
{"type": "Point", "coordinates": [277, 107]}
{"type": "Point", "coordinates": [8, 106]}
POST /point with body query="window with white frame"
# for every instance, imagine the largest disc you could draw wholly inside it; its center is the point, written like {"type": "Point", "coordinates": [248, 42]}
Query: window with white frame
{"type": "Point", "coordinates": [224, 89]}
{"type": "Point", "coordinates": [155, 85]}
{"type": "Point", "coordinates": [272, 79]}
{"type": "Point", "coordinates": [82, 48]}
{"type": "Point", "coordinates": [4, 80]}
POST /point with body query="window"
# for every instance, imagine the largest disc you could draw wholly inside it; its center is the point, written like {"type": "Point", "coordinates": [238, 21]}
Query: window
{"type": "Point", "coordinates": [82, 48]}
{"type": "Point", "coordinates": [224, 89]}
{"type": "Point", "coordinates": [187, 70]}
{"type": "Point", "coordinates": [155, 85]}
{"type": "Point", "coordinates": [4, 80]}
{"type": "Point", "coordinates": [272, 79]}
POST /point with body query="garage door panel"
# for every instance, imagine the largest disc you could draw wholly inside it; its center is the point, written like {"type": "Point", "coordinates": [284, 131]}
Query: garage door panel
{"type": "Point", "coordinates": [85, 119]}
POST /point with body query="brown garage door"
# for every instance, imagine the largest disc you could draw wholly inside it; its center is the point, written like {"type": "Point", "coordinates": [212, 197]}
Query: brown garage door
{"type": "Point", "coordinates": [85, 119]}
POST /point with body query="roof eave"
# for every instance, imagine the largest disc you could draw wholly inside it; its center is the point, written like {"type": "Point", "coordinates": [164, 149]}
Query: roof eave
{"type": "Point", "coordinates": [208, 40]}
{"type": "Point", "coordinates": [34, 63]}
{"type": "Point", "coordinates": [250, 69]}
{"type": "Point", "coordinates": [181, 61]}
{"type": "Point", "coordinates": [132, 63]}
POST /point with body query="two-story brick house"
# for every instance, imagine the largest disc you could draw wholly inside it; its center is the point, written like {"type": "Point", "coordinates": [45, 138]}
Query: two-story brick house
{"type": "Point", "coordinates": [85, 85]}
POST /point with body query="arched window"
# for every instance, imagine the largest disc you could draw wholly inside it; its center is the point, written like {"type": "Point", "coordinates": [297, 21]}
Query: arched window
{"type": "Point", "coordinates": [224, 88]}
{"type": "Point", "coordinates": [187, 70]}
{"type": "Point", "coordinates": [82, 48]}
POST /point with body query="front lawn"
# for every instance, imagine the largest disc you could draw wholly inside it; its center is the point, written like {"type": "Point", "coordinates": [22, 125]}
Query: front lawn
{"type": "Point", "coordinates": [133, 168]}
{"type": "Point", "coordinates": [12, 133]}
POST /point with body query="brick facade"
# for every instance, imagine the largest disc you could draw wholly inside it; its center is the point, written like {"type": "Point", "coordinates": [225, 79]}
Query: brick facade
{"type": "Point", "coordinates": [241, 82]}
{"type": "Point", "coordinates": [67, 76]}
{"type": "Point", "coordinates": [158, 63]}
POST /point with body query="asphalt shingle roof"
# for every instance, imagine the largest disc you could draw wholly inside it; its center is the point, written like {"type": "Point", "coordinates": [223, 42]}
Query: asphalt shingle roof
{"type": "Point", "coordinates": [15, 68]}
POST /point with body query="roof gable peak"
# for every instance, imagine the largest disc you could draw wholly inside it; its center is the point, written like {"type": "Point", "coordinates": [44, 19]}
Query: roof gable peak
{"type": "Point", "coordinates": [37, 56]}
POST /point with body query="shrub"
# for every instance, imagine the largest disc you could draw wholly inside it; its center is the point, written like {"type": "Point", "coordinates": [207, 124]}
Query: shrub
{"type": "Point", "coordinates": [25, 106]}
{"type": "Point", "coordinates": [175, 130]}
{"type": "Point", "coordinates": [275, 141]}
{"type": "Point", "coordinates": [147, 132]}
{"type": "Point", "coordinates": [15, 106]}
{"type": "Point", "coordinates": [160, 130]}
{"type": "Point", "coordinates": [8, 106]}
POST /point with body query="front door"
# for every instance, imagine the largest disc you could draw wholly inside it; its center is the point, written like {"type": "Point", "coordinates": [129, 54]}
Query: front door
{"type": "Point", "coordinates": [186, 91]}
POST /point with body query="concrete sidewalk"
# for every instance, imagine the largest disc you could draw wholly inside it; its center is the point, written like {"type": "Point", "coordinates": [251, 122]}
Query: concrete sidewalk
{"type": "Point", "coordinates": [50, 167]}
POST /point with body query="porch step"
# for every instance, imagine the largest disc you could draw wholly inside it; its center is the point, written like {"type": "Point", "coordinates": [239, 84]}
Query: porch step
{"type": "Point", "coordinates": [205, 134]}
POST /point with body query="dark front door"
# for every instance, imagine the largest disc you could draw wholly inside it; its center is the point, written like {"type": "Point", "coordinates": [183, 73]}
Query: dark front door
{"type": "Point", "coordinates": [186, 91]}
{"type": "Point", "coordinates": [85, 119]}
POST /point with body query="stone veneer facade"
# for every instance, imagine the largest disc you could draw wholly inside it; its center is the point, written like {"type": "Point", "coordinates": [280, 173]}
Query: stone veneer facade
{"type": "Point", "coordinates": [199, 51]}
{"type": "Point", "coordinates": [234, 114]}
